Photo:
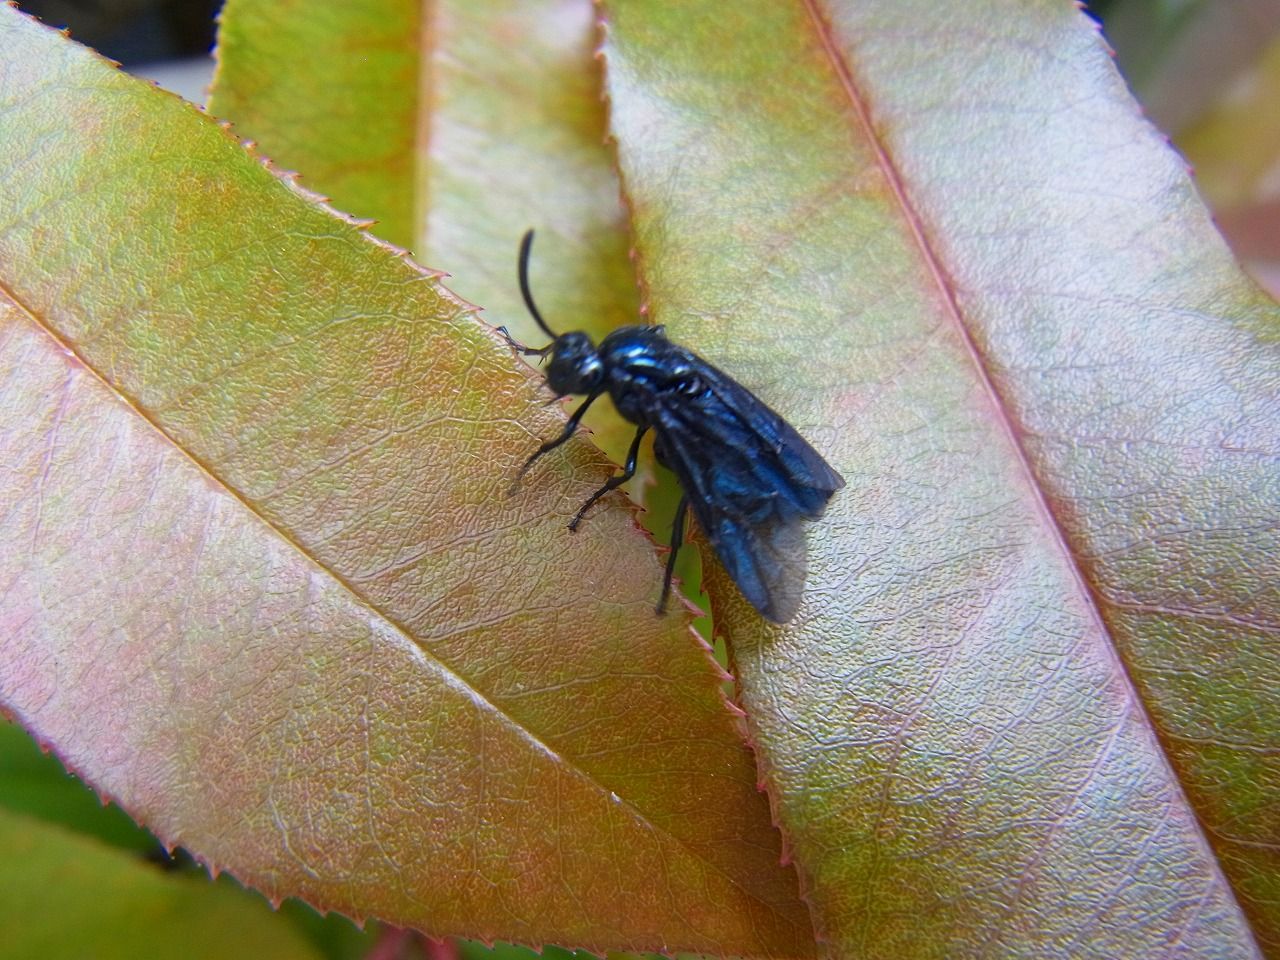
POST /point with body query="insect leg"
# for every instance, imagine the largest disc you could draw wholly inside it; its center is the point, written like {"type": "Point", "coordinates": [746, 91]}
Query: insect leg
{"type": "Point", "coordinates": [677, 538]}
{"type": "Point", "coordinates": [519, 347]}
{"type": "Point", "coordinates": [628, 472]}
{"type": "Point", "coordinates": [565, 434]}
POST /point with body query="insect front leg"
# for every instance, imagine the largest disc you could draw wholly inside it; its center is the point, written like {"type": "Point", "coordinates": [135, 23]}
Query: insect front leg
{"type": "Point", "coordinates": [519, 347]}
{"type": "Point", "coordinates": [565, 434]}
{"type": "Point", "coordinates": [628, 472]}
{"type": "Point", "coordinates": [677, 539]}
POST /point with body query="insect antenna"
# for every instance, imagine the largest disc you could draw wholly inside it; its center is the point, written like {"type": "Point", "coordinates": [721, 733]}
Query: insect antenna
{"type": "Point", "coordinates": [526, 244]}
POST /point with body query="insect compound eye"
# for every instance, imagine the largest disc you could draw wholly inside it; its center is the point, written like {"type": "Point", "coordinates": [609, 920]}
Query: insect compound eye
{"type": "Point", "coordinates": [575, 366]}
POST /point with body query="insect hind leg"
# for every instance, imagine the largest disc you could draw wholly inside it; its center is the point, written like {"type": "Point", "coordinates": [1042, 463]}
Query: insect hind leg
{"type": "Point", "coordinates": [677, 540]}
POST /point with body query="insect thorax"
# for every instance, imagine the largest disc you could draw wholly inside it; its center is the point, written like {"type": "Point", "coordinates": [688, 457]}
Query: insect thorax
{"type": "Point", "coordinates": [642, 366]}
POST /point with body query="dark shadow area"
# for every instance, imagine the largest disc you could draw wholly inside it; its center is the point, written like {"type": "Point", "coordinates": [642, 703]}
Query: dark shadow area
{"type": "Point", "coordinates": [134, 31]}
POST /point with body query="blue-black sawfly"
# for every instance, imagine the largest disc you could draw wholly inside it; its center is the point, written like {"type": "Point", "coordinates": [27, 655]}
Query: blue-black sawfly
{"type": "Point", "coordinates": [749, 476]}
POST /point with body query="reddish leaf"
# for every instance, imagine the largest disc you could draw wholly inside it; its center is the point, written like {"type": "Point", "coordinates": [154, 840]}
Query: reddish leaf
{"type": "Point", "coordinates": [267, 588]}
{"type": "Point", "coordinates": [1030, 707]}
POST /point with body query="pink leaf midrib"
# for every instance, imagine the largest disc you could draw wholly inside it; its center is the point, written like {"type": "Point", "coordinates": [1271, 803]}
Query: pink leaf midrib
{"type": "Point", "coordinates": [474, 693]}
{"type": "Point", "coordinates": [1000, 407]}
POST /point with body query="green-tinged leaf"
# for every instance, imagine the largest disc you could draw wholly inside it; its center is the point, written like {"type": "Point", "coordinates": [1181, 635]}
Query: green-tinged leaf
{"type": "Point", "coordinates": [332, 91]}
{"type": "Point", "coordinates": [493, 115]}
{"type": "Point", "coordinates": [504, 951]}
{"type": "Point", "coordinates": [1030, 706]}
{"type": "Point", "coordinates": [332, 935]}
{"type": "Point", "coordinates": [65, 895]}
{"type": "Point", "coordinates": [264, 583]}
{"type": "Point", "coordinates": [35, 784]}
{"type": "Point", "coordinates": [508, 134]}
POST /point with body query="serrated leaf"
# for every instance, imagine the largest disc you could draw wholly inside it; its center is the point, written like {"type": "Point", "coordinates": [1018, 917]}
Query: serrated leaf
{"type": "Point", "coordinates": [264, 584]}
{"type": "Point", "coordinates": [504, 125]}
{"type": "Point", "coordinates": [34, 783]}
{"type": "Point", "coordinates": [333, 93]}
{"type": "Point", "coordinates": [457, 126]}
{"type": "Point", "coordinates": [1030, 706]}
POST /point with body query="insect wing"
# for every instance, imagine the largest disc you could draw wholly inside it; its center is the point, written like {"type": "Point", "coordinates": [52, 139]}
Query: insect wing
{"type": "Point", "coordinates": [751, 480]}
{"type": "Point", "coordinates": [766, 561]}
{"type": "Point", "coordinates": [809, 479]}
